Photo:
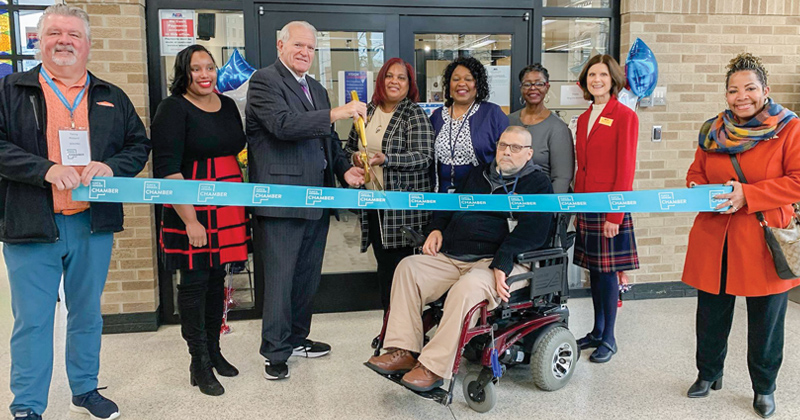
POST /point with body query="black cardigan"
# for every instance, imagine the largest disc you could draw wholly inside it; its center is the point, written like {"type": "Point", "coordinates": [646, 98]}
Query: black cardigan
{"type": "Point", "coordinates": [474, 233]}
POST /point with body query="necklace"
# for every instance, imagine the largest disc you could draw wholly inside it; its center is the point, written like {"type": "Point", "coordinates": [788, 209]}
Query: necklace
{"type": "Point", "coordinates": [382, 115]}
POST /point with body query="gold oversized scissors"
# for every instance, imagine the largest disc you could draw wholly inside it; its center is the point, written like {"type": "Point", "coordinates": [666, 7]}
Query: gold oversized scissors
{"type": "Point", "coordinates": [362, 133]}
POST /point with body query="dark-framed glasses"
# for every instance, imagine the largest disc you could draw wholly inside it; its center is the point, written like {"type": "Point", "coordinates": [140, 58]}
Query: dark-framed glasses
{"type": "Point", "coordinates": [515, 148]}
{"type": "Point", "coordinates": [537, 85]}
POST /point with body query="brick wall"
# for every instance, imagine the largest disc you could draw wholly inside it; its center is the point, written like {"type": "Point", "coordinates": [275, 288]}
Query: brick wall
{"type": "Point", "coordinates": [693, 40]}
{"type": "Point", "coordinates": [119, 55]}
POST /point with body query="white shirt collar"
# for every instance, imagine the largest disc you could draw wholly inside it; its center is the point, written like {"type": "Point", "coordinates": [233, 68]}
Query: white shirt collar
{"type": "Point", "coordinates": [302, 76]}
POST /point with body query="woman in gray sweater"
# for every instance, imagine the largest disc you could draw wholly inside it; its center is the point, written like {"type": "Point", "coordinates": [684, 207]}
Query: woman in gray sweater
{"type": "Point", "coordinates": [553, 148]}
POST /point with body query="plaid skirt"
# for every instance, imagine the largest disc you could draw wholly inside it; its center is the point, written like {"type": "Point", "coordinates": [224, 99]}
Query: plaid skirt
{"type": "Point", "coordinates": [227, 227]}
{"type": "Point", "coordinates": [595, 252]}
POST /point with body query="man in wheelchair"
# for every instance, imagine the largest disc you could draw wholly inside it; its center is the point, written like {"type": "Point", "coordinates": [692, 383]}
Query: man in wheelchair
{"type": "Point", "coordinates": [468, 255]}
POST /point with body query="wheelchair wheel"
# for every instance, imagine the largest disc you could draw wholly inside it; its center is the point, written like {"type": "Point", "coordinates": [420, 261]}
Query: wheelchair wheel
{"type": "Point", "coordinates": [553, 361]}
{"type": "Point", "coordinates": [481, 401]}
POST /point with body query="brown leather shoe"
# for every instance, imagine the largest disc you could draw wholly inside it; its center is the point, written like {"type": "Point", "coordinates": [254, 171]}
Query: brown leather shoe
{"type": "Point", "coordinates": [392, 362]}
{"type": "Point", "coordinates": [421, 379]}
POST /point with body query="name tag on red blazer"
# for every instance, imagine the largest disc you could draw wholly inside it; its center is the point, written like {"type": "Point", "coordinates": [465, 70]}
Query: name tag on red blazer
{"type": "Point", "coordinates": [606, 121]}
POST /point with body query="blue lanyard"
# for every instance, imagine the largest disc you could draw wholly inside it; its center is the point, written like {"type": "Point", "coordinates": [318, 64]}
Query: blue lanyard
{"type": "Point", "coordinates": [513, 188]}
{"type": "Point", "coordinates": [453, 142]}
{"type": "Point", "coordinates": [63, 98]}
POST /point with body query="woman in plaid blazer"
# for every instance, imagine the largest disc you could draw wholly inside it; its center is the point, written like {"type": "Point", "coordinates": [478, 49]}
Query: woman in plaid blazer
{"type": "Point", "coordinates": [400, 153]}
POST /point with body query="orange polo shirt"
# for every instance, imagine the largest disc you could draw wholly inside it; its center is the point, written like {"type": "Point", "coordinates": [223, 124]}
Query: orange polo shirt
{"type": "Point", "coordinates": [57, 118]}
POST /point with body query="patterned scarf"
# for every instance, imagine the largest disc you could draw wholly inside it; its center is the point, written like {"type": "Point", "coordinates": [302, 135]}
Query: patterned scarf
{"type": "Point", "coordinates": [722, 134]}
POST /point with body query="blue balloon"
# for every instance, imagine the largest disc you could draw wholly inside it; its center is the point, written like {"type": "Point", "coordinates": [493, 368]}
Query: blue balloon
{"type": "Point", "coordinates": [641, 69]}
{"type": "Point", "coordinates": [234, 73]}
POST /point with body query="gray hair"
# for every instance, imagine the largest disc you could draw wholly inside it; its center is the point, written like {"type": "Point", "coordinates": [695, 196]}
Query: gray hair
{"type": "Point", "coordinates": [62, 10]}
{"type": "Point", "coordinates": [283, 35]}
{"type": "Point", "coordinates": [522, 131]}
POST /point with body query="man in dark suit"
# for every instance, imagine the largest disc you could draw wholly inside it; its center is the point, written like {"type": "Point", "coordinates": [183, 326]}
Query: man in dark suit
{"type": "Point", "coordinates": [291, 141]}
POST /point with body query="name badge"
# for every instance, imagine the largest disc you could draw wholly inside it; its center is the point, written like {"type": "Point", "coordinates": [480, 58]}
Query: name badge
{"type": "Point", "coordinates": [606, 121]}
{"type": "Point", "coordinates": [512, 223]}
{"type": "Point", "coordinates": [75, 149]}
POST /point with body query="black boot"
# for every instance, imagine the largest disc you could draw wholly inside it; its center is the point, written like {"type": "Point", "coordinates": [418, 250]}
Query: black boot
{"type": "Point", "coordinates": [700, 388]}
{"type": "Point", "coordinates": [764, 405]}
{"type": "Point", "coordinates": [215, 306]}
{"type": "Point", "coordinates": [192, 308]}
{"type": "Point", "coordinates": [202, 376]}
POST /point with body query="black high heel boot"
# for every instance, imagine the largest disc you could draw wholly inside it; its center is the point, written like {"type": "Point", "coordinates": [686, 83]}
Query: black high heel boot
{"type": "Point", "coordinates": [764, 405]}
{"type": "Point", "coordinates": [202, 376]}
{"type": "Point", "coordinates": [192, 308]}
{"type": "Point", "coordinates": [215, 306]}
{"type": "Point", "coordinates": [700, 388]}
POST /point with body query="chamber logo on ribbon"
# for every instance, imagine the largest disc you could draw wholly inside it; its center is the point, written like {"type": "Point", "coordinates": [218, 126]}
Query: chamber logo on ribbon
{"type": "Point", "coordinates": [714, 202]}
{"type": "Point", "coordinates": [667, 200]}
{"type": "Point", "coordinates": [97, 189]}
{"type": "Point", "coordinates": [516, 202]}
{"type": "Point", "coordinates": [366, 198]}
{"type": "Point", "coordinates": [618, 202]}
{"type": "Point", "coordinates": [207, 192]}
{"type": "Point", "coordinates": [261, 194]}
{"type": "Point", "coordinates": [152, 189]}
{"type": "Point", "coordinates": [314, 196]}
{"type": "Point", "coordinates": [417, 200]}
{"type": "Point", "coordinates": [567, 202]}
{"type": "Point", "coordinates": [467, 201]}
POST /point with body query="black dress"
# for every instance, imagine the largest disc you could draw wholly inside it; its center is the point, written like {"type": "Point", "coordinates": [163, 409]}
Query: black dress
{"type": "Point", "coordinates": [202, 146]}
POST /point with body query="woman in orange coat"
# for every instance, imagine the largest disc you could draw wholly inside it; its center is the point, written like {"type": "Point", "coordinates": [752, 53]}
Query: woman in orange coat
{"type": "Point", "coordinates": [605, 147]}
{"type": "Point", "coordinates": [727, 254]}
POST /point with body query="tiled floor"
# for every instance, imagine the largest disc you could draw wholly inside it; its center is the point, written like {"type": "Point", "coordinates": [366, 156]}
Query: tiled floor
{"type": "Point", "coordinates": [147, 375]}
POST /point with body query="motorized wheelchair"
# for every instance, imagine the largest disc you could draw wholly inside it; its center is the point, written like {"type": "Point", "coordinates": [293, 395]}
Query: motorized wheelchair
{"type": "Point", "coordinates": [531, 328]}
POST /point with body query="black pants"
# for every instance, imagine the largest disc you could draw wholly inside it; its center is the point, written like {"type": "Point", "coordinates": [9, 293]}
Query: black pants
{"type": "Point", "coordinates": [201, 301]}
{"type": "Point", "coordinates": [288, 259]}
{"type": "Point", "coordinates": [765, 330]}
{"type": "Point", "coordinates": [387, 258]}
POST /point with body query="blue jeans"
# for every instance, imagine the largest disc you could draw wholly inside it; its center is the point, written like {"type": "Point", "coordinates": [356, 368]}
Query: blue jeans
{"type": "Point", "coordinates": [34, 275]}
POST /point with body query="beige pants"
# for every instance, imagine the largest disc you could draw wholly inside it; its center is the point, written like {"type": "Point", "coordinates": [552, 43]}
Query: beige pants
{"type": "Point", "coordinates": [422, 279]}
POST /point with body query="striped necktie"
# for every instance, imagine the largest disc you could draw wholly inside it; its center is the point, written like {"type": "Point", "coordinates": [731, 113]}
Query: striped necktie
{"type": "Point", "coordinates": [304, 86]}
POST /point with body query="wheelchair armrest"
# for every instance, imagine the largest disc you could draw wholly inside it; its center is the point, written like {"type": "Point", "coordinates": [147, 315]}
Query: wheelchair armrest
{"type": "Point", "coordinates": [415, 238]}
{"type": "Point", "coordinates": [539, 254]}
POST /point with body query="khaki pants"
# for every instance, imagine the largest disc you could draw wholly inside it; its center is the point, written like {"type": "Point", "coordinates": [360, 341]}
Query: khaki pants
{"type": "Point", "coordinates": [422, 279]}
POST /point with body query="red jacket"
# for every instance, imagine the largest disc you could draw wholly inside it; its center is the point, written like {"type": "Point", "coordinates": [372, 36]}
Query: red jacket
{"type": "Point", "coordinates": [607, 155]}
{"type": "Point", "coordinates": [773, 175]}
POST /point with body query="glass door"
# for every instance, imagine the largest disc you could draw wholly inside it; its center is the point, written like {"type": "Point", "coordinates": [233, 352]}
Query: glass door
{"type": "Point", "coordinates": [499, 42]}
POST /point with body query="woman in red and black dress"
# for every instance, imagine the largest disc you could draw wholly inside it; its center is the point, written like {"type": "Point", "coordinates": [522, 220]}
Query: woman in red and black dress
{"type": "Point", "coordinates": [196, 135]}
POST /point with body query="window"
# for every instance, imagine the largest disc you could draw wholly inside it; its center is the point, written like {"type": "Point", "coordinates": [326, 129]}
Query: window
{"type": "Point", "coordinates": [18, 36]}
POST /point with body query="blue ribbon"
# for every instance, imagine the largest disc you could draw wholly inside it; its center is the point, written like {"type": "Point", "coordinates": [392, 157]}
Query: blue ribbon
{"type": "Point", "coordinates": [63, 98]}
{"type": "Point", "coordinates": [170, 191]}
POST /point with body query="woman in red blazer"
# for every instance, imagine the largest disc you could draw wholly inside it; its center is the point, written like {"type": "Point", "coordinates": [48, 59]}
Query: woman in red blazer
{"type": "Point", "coordinates": [605, 147]}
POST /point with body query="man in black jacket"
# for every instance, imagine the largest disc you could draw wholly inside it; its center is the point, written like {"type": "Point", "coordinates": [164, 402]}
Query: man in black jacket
{"type": "Point", "coordinates": [291, 141]}
{"type": "Point", "coordinates": [59, 106]}
{"type": "Point", "coordinates": [470, 254]}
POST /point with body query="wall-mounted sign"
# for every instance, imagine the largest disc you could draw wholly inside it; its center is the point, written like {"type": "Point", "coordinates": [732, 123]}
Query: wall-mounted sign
{"type": "Point", "coordinates": [499, 84]}
{"type": "Point", "coordinates": [359, 81]}
{"type": "Point", "coordinates": [176, 31]}
{"type": "Point", "coordinates": [572, 94]}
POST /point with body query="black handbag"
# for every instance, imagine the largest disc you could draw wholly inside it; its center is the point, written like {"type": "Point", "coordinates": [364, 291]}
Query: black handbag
{"type": "Point", "coordinates": [783, 243]}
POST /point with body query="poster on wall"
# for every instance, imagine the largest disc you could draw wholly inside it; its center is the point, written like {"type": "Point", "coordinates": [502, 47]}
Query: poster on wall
{"type": "Point", "coordinates": [359, 81]}
{"type": "Point", "coordinates": [429, 107]}
{"type": "Point", "coordinates": [499, 84]}
{"type": "Point", "coordinates": [177, 31]}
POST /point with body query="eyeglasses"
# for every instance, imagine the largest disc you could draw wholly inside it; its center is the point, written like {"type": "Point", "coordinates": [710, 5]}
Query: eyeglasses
{"type": "Point", "coordinates": [537, 85]}
{"type": "Point", "coordinates": [515, 148]}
